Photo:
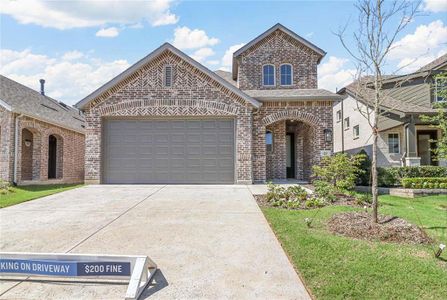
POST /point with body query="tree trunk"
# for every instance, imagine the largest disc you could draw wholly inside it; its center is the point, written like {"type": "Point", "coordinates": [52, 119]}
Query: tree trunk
{"type": "Point", "coordinates": [374, 183]}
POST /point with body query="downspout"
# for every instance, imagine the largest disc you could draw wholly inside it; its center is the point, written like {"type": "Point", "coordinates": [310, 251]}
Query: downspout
{"type": "Point", "coordinates": [16, 147]}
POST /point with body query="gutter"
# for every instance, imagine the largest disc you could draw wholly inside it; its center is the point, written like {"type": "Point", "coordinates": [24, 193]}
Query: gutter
{"type": "Point", "coordinates": [16, 147]}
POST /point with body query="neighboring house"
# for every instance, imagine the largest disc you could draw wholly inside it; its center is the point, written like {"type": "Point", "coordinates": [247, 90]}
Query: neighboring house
{"type": "Point", "coordinates": [404, 140]}
{"type": "Point", "coordinates": [168, 119]}
{"type": "Point", "coordinates": [41, 139]}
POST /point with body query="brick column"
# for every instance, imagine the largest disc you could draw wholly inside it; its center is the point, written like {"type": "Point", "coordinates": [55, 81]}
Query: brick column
{"type": "Point", "coordinates": [93, 147]}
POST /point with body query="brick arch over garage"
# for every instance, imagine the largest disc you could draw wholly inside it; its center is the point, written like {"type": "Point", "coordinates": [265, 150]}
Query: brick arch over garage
{"type": "Point", "coordinates": [168, 108]}
{"type": "Point", "coordinates": [292, 115]}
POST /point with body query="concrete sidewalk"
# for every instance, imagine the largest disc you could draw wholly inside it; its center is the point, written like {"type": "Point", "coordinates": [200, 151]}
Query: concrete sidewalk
{"type": "Point", "coordinates": [209, 242]}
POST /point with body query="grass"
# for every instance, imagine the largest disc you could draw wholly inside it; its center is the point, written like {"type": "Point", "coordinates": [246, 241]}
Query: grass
{"type": "Point", "coordinates": [26, 193]}
{"type": "Point", "coordinates": [336, 267]}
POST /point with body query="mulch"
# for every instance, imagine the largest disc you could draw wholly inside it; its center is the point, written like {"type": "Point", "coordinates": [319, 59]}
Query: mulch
{"type": "Point", "coordinates": [389, 229]}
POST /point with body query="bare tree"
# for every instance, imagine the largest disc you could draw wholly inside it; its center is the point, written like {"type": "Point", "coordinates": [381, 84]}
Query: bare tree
{"type": "Point", "coordinates": [379, 24]}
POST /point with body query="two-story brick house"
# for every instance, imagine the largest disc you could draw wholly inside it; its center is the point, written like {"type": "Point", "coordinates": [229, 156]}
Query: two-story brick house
{"type": "Point", "coordinates": [404, 138]}
{"type": "Point", "coordinates": [168, 119]}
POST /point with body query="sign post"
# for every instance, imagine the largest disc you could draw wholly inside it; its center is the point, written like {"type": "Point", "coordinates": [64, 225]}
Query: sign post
{"type": "Point", "coordinates": [138, 270]}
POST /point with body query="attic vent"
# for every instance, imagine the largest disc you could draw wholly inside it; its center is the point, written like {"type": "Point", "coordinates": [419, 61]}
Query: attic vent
{"type": "Point", "coordinates": [168, 76]}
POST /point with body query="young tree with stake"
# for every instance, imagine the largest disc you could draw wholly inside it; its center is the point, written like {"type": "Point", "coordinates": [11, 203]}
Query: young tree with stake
{"type": "Point", "coordinates": [379, 24]}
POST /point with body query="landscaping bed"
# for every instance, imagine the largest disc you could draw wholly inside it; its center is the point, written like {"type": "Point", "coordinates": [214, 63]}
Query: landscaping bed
{"type": "Point", "coordinates": [389, 229]}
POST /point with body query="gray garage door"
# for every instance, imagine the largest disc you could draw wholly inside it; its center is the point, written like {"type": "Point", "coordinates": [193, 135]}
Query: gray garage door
{"type": "Point", "coordinates": [168, 151]}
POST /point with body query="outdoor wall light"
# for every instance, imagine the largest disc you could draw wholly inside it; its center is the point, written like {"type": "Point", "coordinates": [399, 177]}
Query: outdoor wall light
{"type": "Point", "coordinates": [27, 143]}
{"type": "Point", "coordinates": [441, 248]}
{"type": "Point", "coordinates": [327, 135]}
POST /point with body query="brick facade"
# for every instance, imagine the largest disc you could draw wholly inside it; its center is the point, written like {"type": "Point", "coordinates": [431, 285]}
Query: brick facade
{"type": "Point", "coordinates": [193, 93]}
{"type": "Point", "coordinates": [32, 162]}
{"type": "Point", "coordinates": [278, 48]}
{"type": "Point", "coordinates": [312, 117]}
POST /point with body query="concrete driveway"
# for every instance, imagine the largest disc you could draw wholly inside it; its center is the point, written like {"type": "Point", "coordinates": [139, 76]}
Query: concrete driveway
{"type": "Point", "coordinates": [209, 242]}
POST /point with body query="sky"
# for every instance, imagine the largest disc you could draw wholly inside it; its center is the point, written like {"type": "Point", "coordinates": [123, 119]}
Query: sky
{"type": "Point", "coordinates": [77, 46]}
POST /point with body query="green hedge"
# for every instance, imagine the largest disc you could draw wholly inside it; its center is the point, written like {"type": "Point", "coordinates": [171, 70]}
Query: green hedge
{"type": "Point", "coordinates": [393, 176]}
{"type": "Point", "coordinates": [425, 183]}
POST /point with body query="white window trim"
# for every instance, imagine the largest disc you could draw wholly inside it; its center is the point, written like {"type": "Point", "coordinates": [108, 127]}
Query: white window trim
{"type": "Point", "coordinates": [344, 123]}
{"type": "Point", "coordinates": [436, 92]}
{"type": "Point", "coordinates": [388, 141]}
{"type": "Point", "coordinates": [338, 116]}
{"type": "Point", "coordinates": [355, 136]}
{"type": "Point", "coordinates": [164, 76]}
{"type": "Point", "coordinates": [274, 75]}
{"type": "Point", "coordinates": [291, 74]}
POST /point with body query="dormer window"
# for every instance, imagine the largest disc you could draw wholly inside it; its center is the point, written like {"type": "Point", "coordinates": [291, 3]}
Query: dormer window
{"type": "Point", "coordinates": [268, 75]}
{"type": "Point", "coordinates": [167, 76]}
{"type": "Point", "coordinates": [286, 74]}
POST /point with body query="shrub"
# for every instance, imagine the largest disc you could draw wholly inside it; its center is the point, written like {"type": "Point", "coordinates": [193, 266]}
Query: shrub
{"type": "Point", "coordinates": [315, 202]}
{"type": "Point", "coordinates": [324, 190]}
{"type": "Point", "coordinates": [365, 177]}
{"type": "Point", "coordinates": [362, 199]}
{"type": "Point", "coordinates": [424, 182]}
{"type": "Point", "coordinates": [5, 187]}
{"type": "Point", "coordinates": [394, 175]}
{"type": "Point", "coordinates": [339, 170]}
{"type": "Point", "coordinates": [290, 197]}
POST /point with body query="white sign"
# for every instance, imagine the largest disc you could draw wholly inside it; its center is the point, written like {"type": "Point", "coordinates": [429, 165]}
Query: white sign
{"type": "Point", "coordinates": [139, 270]}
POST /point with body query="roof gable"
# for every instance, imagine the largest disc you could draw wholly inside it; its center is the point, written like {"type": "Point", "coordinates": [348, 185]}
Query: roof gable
{"type": "Point", "coordinates": [150, 57]}
{"type": "Point", "coordinates": [267, 33]}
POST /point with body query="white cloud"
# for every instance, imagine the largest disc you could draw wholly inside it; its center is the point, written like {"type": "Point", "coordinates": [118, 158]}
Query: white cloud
{"type": "Point", "coordinates": [203, 53]}
{"type": "Point", "coordinates": [227, 59]}
{"type": "Point", "coordinates": [69, 78]}
{"type": "Point", "coordinates": [185, 38]}
{"type": "Point", "coordinates": [435, 5]}
{"type": "Point", "coordinates": [88, 13]}
{"type": "Point", "coordinates": [419, 48]}
{"type": "Point", "coordinates": [110, 32]}
{"type": "Point", "coordinates": [333, 74]}
{"type": "Point", "coordinates": [72, 55]}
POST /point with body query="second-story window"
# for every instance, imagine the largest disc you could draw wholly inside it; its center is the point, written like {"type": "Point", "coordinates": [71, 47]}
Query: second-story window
{"type": "Point", "coordinates": [347, 123]}
{"type": "Point", "coordinates": [286, 74]}
{"type": "Point", "coordinates": [168, 76]}
{"type": "Point", "coordinates": [268, 75]}
{"type": "Point", "coordinates": [440, 89]}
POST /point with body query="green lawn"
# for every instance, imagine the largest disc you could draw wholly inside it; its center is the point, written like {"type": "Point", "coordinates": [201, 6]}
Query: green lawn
{"type": "Point", "coordinates": [335, 267]}
{"type": "Point", "coordinates": [26, 193]}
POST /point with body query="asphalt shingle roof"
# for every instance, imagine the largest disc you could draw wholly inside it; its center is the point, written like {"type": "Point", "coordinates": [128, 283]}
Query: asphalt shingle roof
{"type": "Point", "coordinates": [293, 94]}
{"type": "Point", "coordinates": [367, 96]}
{"type": "Point", "coordinates": [434, 64]}
{"type": "Point", "coordinates": [27, 101]}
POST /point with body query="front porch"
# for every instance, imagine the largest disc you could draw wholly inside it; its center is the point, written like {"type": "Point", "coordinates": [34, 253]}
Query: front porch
{"type": "Point", "coordinates": [287, 144]}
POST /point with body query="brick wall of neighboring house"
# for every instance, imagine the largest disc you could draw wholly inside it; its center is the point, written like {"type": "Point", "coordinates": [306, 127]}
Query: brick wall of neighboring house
{"type": "Point", "coordinates": [33, 155]}
{"type": "Point", "coordinates": [309, 138]}
{"type": "Point", "coordinates": [6, 144]}
{"type": "Point", "coordinates": [278, 48]}
{"type": "Point", "coordinates": [193, 93]}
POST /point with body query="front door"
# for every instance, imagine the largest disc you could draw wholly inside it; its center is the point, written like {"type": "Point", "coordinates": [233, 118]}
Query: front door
{"type": "Point", "coordinates": [290, 155]}
{"type": "Point", "coordinates": [425, 147]}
